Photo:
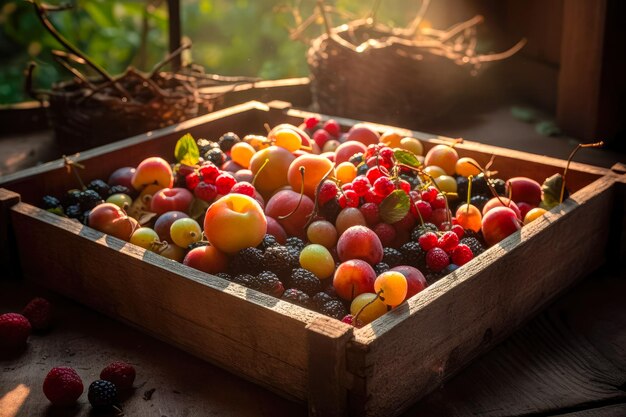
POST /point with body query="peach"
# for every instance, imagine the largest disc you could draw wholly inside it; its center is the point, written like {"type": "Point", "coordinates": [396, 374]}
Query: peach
{"type": "Point", "coordinates": [110, 219]}
{"type": "Point", "coordinates": [171, 199]}
{"type": "Point", "coordinates": [498, 202]}
{"type": "Point", "coordinates": [363, 133]}
{"type": "Point", "coordinates": [360, 242]}
{"type": "Point", "coordinates": [414, 278]}
{"type": "Point", "coordinates": [234, 222]}
{"type": "Point", "coordinates": [315, 168]}
{"type": "Point", "coordinates": [206, 259]}
{"type": "Point", "coordinates": [153, 170]}
{"type": "Point", "coordinates": [281, 206]}
{"type": "Point", "coordinates": [354, 277]}
{"type": "Point", "coordinates": [523, 189]}
{"type": "Point", "coordinates": [272, 175]}
{"type": "Point", "coordinates": [304, 137]}
{"type": "Point", "coordinates": [275, 229]}
{"type": "Point", "coordinates": [498, 223]}
{"type": "Point", "coordinates": [344, 152]}
{"type": "Point", "coordinates": [391, 138]}
{"type": "Point", "coordinates": [443, 156]}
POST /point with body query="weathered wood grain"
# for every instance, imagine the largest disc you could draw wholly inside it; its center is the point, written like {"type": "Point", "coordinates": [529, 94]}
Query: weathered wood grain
{"type": "Point", "coordinates": [8, 251]}
{"type": "Point", "coordinates": [463, 314]}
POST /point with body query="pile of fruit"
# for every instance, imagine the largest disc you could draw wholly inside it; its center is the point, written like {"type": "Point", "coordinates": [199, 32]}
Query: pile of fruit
{"type": "Point", "coordinates": [349, 224]}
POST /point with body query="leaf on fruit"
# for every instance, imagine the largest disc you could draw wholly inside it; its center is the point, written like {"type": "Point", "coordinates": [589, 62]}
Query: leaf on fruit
{"type": "Point", "coordinates": [198, 210]}
{"type": "Point", "coordinates": [186, 150]}
{"type": "Point", "coordinates": [394, 207]}
{"type": "Point", "coordinates": [406, 158]}
{"type": "Point", "coordinates": [551, 191]}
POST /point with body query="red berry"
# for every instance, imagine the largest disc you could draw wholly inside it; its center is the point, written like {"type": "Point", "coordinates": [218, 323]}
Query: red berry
{"type": "Point", "coordinates": [311, 122]}
{"type": "Point", "coordinates": [243, 187]}
{"type": "Point", "coordinates": [386, 153]}
{"type": "Point", "coordinates": [206, 192]}
{"type": "Point", "coordinates": [348, 199]}
{"type": "Point", "coordinates": [385, 232]}
{"type": "Point", "coordinates": [439, 202]}
{"type": "Point", "coordinates": [192, 180]}
{"type": "Point", "coordinates": [437, 259]}
{"type": "Point", "coordinates": [373, 197]}
{"type": "Point", "coordinates": [429, 194]}
{"type": "Point", "coordinates": [383, 186]}
{"type": "Point", "coordinates": [224, 182]}
{"type": "Point", "coordinates": [428, 241]}
{"type": "Point", "coordinates": [347, 186]}
{"type": "Point", "coordinates": [14, 331]}
{"type": "Point", "coordinates": [371, 213]}
{"type": "Point", "coordinates": [462, 254]}
{"type": "Point", "coordinates": [406, 223]}
{"type": "Point", "coordinates": [458, 229]}
{"type": "Point", "coordinates": [209, 173]}
{"type": "Point", "coordinates": [184, 170]}
{"type": "Point", "coordinates": [62, 386]}
{"type": "Point", "coordinates": [425, 210]}
{"type": "Point", "coordinates": [349, 319]}
{"type": "Point", "coordinates": [405, 186]}
{"type": "Point", "coordinates": [372, 150]}
{"type": "Point", "coordinates": [448, 241]}
{"type": "Point", "coordinates": [39, 313]}
{"type": "Point", "coordinates": [332, 127]}
{"type": "Point", "coordinates": [327, 192]}
{"type": "Point", "coordinates": [121, 374]}
{"type": "Point", "coordinates": [321, 137]}
{"type": "Point", "coordinates": [375, 173]}
{"type": "Point", "coordinates": [360, 185]}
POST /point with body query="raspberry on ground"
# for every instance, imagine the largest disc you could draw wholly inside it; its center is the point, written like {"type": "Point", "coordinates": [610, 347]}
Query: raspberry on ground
{"type": "Point", "coordinates": [62, 386]}
{"type": "Point", "coordinates": [102, 394]}
{"type": "Point", "coordinates": [14, 331]}
{"type": "Point", "coordinates": [122, 374]}
{"type": "Point", "coordinates": [437, 259]}
{"type": "Point", "coordinates": [462, 254]}
{"type": "Point", "coordinates": [39, 313]}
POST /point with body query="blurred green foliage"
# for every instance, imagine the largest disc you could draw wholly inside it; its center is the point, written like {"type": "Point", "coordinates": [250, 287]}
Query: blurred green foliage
{"type": "Point", "coordinates": [230, 37]}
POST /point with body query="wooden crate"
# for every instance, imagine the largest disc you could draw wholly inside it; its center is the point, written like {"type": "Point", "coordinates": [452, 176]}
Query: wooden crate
{"type": "Point", "coordinates": [378, 370]}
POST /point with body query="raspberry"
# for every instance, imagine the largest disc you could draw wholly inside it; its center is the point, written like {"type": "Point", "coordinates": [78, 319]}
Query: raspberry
{"type": "Point", "coordinates": [205, 192]}
{"type": "Point", "coordinates": [311, 122]}
{"type": "Point", "coordinates": [371, 213]}
{"type": "Point", "coordinates": [437, 259]}
{"type": "Point", "coordinates": [428, 241]}
{"type": "Point", "coordinates": [39, 313]}
{"type": "Point", "coordinates": [224, 183]}
{"type": "Point", "coordinates": [448, 241]}
{"type": "Point", "coordinates": [244, 188]}
{"type": "Point", "coordinates": [383, 186]}
{"type": "Point", "coordinates": [439, 202]}
{"type": "Point", "coordinates": [360, 185]}
{"type": "Point", "coordinates": [348, 199]}
{"type": "Point", "coordinates": [102, 394]}
{"type": "Point", "coordinates": [458, 229]}
{"type": "Point", "coordinates": [425, 210]}
{"type": "Point", "coordinates": [373, 149]}
{"type": "Point", "coordinates": [62, 386]}
{"type": "Point", "coordinates": [209, 173]}
{"type": "Point", "coordinates": [192, 180]}
{"type": "Point", "coordinates": [14, 331]}
{"type": "Point", "coordinates": [462, 254]}
{"type": "Point", "coordinates": [327, 192]}
{"type": "Point", "coordinates": [321, 137]}
{"type": "Point", "coordinates": [375, 173]}
{"type": "Point", "coordinates": [347, 186]}
{"type": "Point", "coordinates": [332, 127]}
{"type": "Point", "coordinates": [122, 374]}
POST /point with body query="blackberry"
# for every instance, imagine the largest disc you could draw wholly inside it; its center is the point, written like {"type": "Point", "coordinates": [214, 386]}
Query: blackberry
{"type": "Point", "coordinates": [50, 202]}
{"type": "Point", "coordinates": [216, 156]}
{"type": "Point", "coordinates": [411, 179]}
{"type": "Point", "coordinates": [305, 281]}
{"type": "Point", "coordinates": [381, 267]}
{"type": "Point", "coordinates": [70, 198]}
{"type": "Point", "coordinates": [120, 189]}
{"type": "Point", "coordinates": [479, 185]}
{"type": "Point", "coordinates": [432, 277]}
{"type": "Point", "coordinates": [206, 145]}
{"type": "Point", "coordinates": [247, 260]}
{"type": "Point", "coordinates": [99, 186]}
{"type": "Point", "coordinates": [268, 241]}
{"type": "Point", "coordinates": [243, 279]}
{"type": "Point", "coordinates": [474, 244]}
{"type": "Point", "coordinates": [330, 210]}
{"type": "Point", "coordinates": [279, 260]}
{"type": "Point", "coordinates": [392, 257]}
{"type": "Point", "coordinates": [479, 201]}
{"type": "Point", "coordinates": [85, 218]}
{"type": "Point", "coordinates": [334, 309]}
{"type": "Point", "coordinates": [224, 275]}
{"type": "Point", "coordinates": [356, 159]}
{"type": "Point", "coordinates": [461, 187]}
{"type": "Point", "coordinates": [227, 140]}
{"type": "Point", "coordinates": [499, 185]}
{"type": "Point", "coordinates": [362, 169]}
{"type": "Point", "coordinates": [413, 255]}
{"type": "Point", "coordinates": [296, 296]}
{"type": "Point", "coordinates": [295, 242]}
{"type": "Point", "coordinates": [102, 394]}
{"type": "Point", "coordinates": [421, 229]}
{"type": "Point", "coordinates": [267, 282]}
{"type": "Point", "coordinates": [74, 212]}
{"type": "Point", "coordinates": [319, 299]}
{"type": "Point", "coordinates": [88, 199]}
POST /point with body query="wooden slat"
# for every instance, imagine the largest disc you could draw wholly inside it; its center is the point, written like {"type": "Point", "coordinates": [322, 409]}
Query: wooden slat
{"type": "Point", "coordinates": [8, 251]}
{"type": "Point", "coordinates": [254, 335]}
{"type": "Point", "coordinates": [462, 315]}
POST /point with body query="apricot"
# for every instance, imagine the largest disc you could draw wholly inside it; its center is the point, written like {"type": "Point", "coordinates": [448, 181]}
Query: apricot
{"type": "Point", "coordinates": [360, 242]}
{"type": "Point", "coordinates": [443, 156]}
{"type": "Point", "coordinates": [272, 175]}
{"type": "Point", "coordinates": [153, 170]}
{"type": "Point", "coordinates": [315, 168]}
{"type": "Point", "coordinates": [412, 145]}
{"type": "Point", "coordinates": [391, 138]}
{"type": "Point", "coordinates": [241, 153]}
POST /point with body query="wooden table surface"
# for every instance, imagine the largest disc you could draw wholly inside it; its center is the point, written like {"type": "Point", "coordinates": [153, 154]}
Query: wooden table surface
{"type": "Point", "coordinates": [568, 361]}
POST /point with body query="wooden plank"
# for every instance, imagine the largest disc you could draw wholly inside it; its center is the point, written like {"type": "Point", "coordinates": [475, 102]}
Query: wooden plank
{"type": "Point", "coordinates": [8, 251]}
{"type": "Point", "coordinates": [327, 388]}
{"type": "Point", "coordinates": [617, 410]}
{"type": "Point", "coordinates": [581, 67]}
{"type": "Point", "coordinates": [251, 334]}
{"type": "Point", "coordinates": [461, 315]}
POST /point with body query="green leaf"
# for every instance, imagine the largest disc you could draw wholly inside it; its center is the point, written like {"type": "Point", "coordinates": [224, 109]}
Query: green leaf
{"type": "Point", "coordinates": [186, 151]}
{"type": "Point", "coordinates": [406, 158]}
{"type": "Point", "coordinates": [551, 190]}
{"type": "Point", "coordinates": [394, 207]}
{"type": "Point", "coordinates": [548, 128]}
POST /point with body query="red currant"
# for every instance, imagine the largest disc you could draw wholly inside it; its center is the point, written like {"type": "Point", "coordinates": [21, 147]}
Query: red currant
{"type": "Point", "coordinates": [360, 185]}
{"type": "Point", "coordinates": [429, 194]}
{"type": "Point", "coordinates": [375, 173]}
{"type": "Point", "coordinates": [383, 186]}
{"type": "Point", "coordinates": [371, 213]}
{"type": "Point", "coordinates": [373, 197]}
{"type": "Point", "coordinates": [311, 122]}
{"type": "Point", "coordinates": [321, 137]}
{"type": "Point", "coordinates": [405, 186]}
{"type": "Point", "coordinates": [439, 202]}
{"type": "Point", "coordinates": [425, 210]}
{"type": "Point", "coordinates": [327, 192]}
{"type": "Point", "coordinates": [428, 241]}
{"type": "Point", "coordinates": [348, 199]}
{"type": "Point", "coordinates": [458, 229]}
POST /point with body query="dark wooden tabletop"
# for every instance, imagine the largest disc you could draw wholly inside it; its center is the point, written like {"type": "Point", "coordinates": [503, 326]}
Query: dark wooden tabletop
{"type": "Point", "coordinates": [568, 361]}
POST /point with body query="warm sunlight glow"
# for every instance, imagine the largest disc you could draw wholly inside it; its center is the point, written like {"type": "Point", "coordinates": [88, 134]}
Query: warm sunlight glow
{"type": "Point", "coordinates": [12, 401]}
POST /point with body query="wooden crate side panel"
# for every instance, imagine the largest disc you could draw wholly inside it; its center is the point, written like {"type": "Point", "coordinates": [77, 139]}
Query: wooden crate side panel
{"type": "Point", "coordinates": [414, 348]}
{"type": "Point", "coordinates": [251, 334]}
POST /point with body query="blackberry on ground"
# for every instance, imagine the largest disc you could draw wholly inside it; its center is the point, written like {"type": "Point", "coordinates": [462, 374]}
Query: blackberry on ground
{"type": "Point", "coordinates": [70, 198]}
{"type": "Point", "coordinates": [296, 296]}
{"type": "Point", "coordinates": [305, 281]}
{"type": "Point", "coordinates": [227, 141]}
{"type": "Point", "coordinates": [268, 241]}
{"type": "Point", "coordinates": [88, 199]}
{"type": "Point", "coordinates": [330, 210]}
{"type": "Point", "coordinates": [216, 156]}
{"type": "Point", "coordinates": [334, 309]}
{"type": "Point", "coordinates": [421, 229]}
{"type": "Point", "coordinates": [102, 394]}
{"type": "Point", "coordinates": [413, 255]}
{"type": "Point", "coordinates": [381, 267]}
{"type": "Point", "coordinates": [279, 260]}
{"type": "Point", "coordinates": [392, 257]}
{"type": "Point", "coordinates": [474, 244]}
{"type": "Point", "coordinates": [50, 202]}
{"type": "Point", "coordinates": [205, 145]}
{"type": "Point", "coordinates": [120, 189]}
{"type": "Point", "coordinates": [101, 187]}
{"type": "Point", "coordinates": [268, 283]}
{"type": "Point", "coordinates": [247, 260]}
{"type": "Point", "coordinates": [479, 201]}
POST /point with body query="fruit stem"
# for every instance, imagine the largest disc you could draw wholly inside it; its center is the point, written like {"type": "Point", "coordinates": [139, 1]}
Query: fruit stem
{"type": "Point", "coordinates": [71, 167]}
{"type": "Point", "coordinates": [267, 160]}
{"type": "Point", "coordinates": [316, 205]}
{"type": "Point", "coordinates": [356, 316]}
{"type": "Point", "coordinates": [286, 216]}
{"type": "Point", "coordinates": [493, 190]}
{"type": "Point", "coordinates": [469, 192]}
{"type": "Point", "coordinates": [569, 160]}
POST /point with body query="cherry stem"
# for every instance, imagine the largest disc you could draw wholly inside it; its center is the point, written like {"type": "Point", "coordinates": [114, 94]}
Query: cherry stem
{"type": "Point", "coordinates": [71, 167]}
{"type": "Point", "coordinates": [493, 190]}
{"type": "Point", "coordinates": [418, 210]}
{"type": "Point", "coordinates": [569, 160]}
{"type": "Point", "coordinates": [356, 316]}
{"type": "Point", "coordinates": [286, 216]}
{"type": "Point", "coordinates": [267, 160]}
{"type": "Point", "coordinates": [469, 192]}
